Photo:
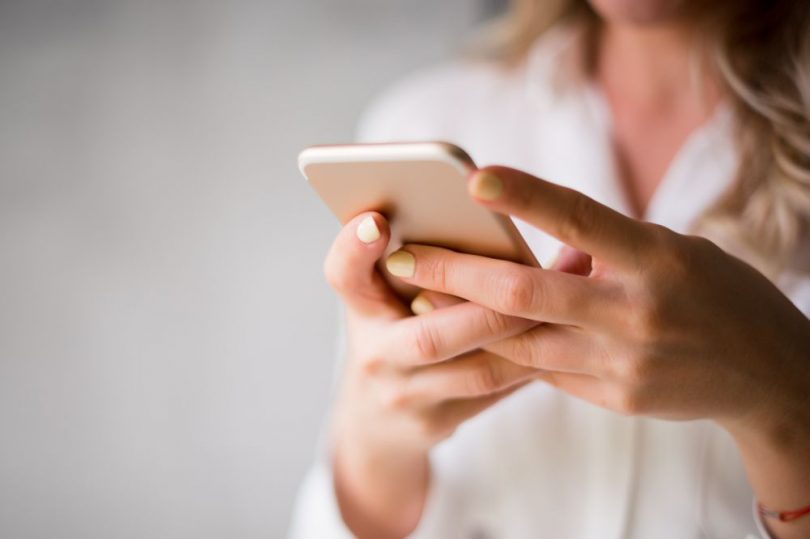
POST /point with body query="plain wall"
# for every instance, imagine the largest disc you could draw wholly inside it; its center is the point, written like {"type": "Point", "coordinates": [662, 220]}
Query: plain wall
{"type": "Point", "coordinates": [166, 336]}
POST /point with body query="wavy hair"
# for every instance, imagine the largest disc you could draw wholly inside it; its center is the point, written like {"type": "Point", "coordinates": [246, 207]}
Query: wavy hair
{"type": "Point", "coordinates": [760, 52]}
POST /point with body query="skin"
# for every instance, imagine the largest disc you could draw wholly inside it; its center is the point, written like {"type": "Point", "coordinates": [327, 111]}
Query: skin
{"type": "Point", "coordinates": [628, 308]}
{"type": "Point", "coordinates": [404, 388]}
{"type": "Point", "coordinates": [641, 72]}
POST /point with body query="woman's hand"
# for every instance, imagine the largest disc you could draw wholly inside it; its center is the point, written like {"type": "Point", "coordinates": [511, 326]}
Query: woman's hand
{"type": "Point", "coordinates": [408, 383]}
{"type": "Point", "coordinates": [660, 324]}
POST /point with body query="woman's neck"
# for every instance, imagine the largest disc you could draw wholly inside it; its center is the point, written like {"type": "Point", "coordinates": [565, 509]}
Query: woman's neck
{"type": "Point", "coordinates": [657, 98]}
{"type": "Point", "coordinates": [655, 67]}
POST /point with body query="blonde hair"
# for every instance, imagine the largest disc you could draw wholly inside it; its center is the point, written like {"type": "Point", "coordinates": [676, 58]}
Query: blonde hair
{"type": "Point", "coordinates": [761, 52]}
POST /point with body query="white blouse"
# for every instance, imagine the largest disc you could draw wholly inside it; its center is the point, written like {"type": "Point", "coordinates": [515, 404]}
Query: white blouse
{"type": "Point", "coordinates": [542, 463]}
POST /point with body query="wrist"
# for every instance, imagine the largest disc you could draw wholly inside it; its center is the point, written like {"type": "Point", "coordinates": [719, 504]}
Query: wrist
{"type": "Point", "coordinates": [779, 424]}
{"type": "Point", "coordinates": [380, 487]}
{"type": "Point", "coordinates": [778, 431]}
{"type": "Point", "coordinates": [777, 414]}
{"type": "Point", "coordinates": [773, 436]}
{"type": "Point", "coordinates": [379, 495]}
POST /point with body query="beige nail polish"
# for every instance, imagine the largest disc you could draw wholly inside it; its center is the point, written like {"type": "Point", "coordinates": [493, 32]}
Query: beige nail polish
{"type": "Point", "coordinates": [421, 305]}
{"type": "Point", "coordinates": [367, 230]}
{"type": "Point", "coordinates": [401, 264]}
{"type": "Point", "coordinates": [486, 186]}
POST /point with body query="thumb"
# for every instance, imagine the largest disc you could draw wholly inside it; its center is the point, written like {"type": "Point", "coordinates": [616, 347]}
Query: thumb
{"type": "Point", "coordinates": [350, 267]}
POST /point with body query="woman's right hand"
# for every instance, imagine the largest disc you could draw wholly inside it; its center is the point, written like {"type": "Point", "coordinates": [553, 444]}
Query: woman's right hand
{"type": "Point", "coordinates": [408, 382]}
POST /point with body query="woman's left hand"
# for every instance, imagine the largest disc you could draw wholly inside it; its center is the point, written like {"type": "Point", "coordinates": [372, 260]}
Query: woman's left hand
{"type": "Point", "coordinates": [645, 321]}
{"type": "Point", "coordinates": [659, 324]}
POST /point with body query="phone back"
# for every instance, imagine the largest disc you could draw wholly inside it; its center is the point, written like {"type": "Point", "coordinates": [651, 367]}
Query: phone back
{"type": "Point", "coordinates": [421, 188]}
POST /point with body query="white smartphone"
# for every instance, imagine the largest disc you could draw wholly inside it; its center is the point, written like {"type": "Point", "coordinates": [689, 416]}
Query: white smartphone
{"type": "Point", "coordinates": [421, 188]}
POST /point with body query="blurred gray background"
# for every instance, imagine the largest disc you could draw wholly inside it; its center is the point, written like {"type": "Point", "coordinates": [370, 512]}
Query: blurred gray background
{"type": "Point", "coordinates": [166, 337]}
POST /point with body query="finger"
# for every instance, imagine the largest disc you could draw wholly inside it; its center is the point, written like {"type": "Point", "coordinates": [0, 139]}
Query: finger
{"type": "Point", "coordinates": [507, 287]}
{"type": "Point", "coordinates": [552, 348]}
{"type": "Point", "coordinates": [476, 374]}
{"type": "Point", "coordinates": [429, 300]}
{"type": "Point", "coordinates": [446, 333]}
{"type": "Point", "coordinates": [350, 267]}
{"type": "Point", "coordinates": [581, 386]}
{"type": "Point", "coordinates": [444, 418]}
{"type": "Point", "coordinates": [568, 215]}
{"type": "Point", "coordinates": [608, 394]}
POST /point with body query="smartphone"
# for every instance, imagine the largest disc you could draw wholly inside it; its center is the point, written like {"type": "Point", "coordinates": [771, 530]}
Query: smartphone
{"type": "Point", "coordinates": [421, 189]}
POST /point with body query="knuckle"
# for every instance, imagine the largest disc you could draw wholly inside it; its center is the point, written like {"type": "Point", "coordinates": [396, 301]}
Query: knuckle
{"type": "Point", "coordinates": [518, 292]}
{"type": "Point", "coordinates": [581, 216]}
{"type": "Point", "coordinates": [395, 399]}
{"type": "Point", "coordinates": [659, 237]}
{"type": "Point", "coordinates": [699, 253]}
{"type": "Point", "coordinates": [629, 402]}
{"type": "Point", "coordinates": [427, 343]}
{"type": "Point", "coordinates": [372, 366]}
{"type": "Point", "coordinates": [488, 378]}
{"type": "Point", "coordinates": [657, 244]}
{"type": "Point", "coordinates": [432, 427]}
{"type": "Point", "coordinates": [438, 269]}
{"type": "Point", "coordinates": [523, 352]}
{"type": "Point", "coordinates": [705, 246]}
{"type": "Point", "coordinates": [634, 371]}
{"type": "Point", "coordinates": [672, 256]}
{"type": "Point", "coordinates": [494, 322]}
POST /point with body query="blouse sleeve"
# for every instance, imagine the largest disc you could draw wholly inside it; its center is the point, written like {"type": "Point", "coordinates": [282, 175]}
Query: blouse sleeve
{"type": "Point", "coordinates": [797, 287]}
{"type": "Point", "coordinates": [761, 528]}
{"type": "Point", "coordinates": [316, 513]}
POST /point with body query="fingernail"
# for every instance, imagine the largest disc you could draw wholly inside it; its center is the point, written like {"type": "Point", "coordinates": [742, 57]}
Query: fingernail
{"type": "Point", "coordinates": [367, 230]}
{"type": "Point", "coordinates": [421, 305]}
{"type": "Point", "coordinates": [401, 264]}
{"type": "Point", "coordinates": [486, 186]}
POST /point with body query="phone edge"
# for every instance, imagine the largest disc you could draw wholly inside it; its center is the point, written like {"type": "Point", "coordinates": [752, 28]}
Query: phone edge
{"type": "Point", "coordinates": [381, 151]}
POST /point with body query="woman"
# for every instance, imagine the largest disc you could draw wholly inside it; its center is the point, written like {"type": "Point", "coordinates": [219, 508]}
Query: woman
{"type": "Point", "coordinates": [680, 117]}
